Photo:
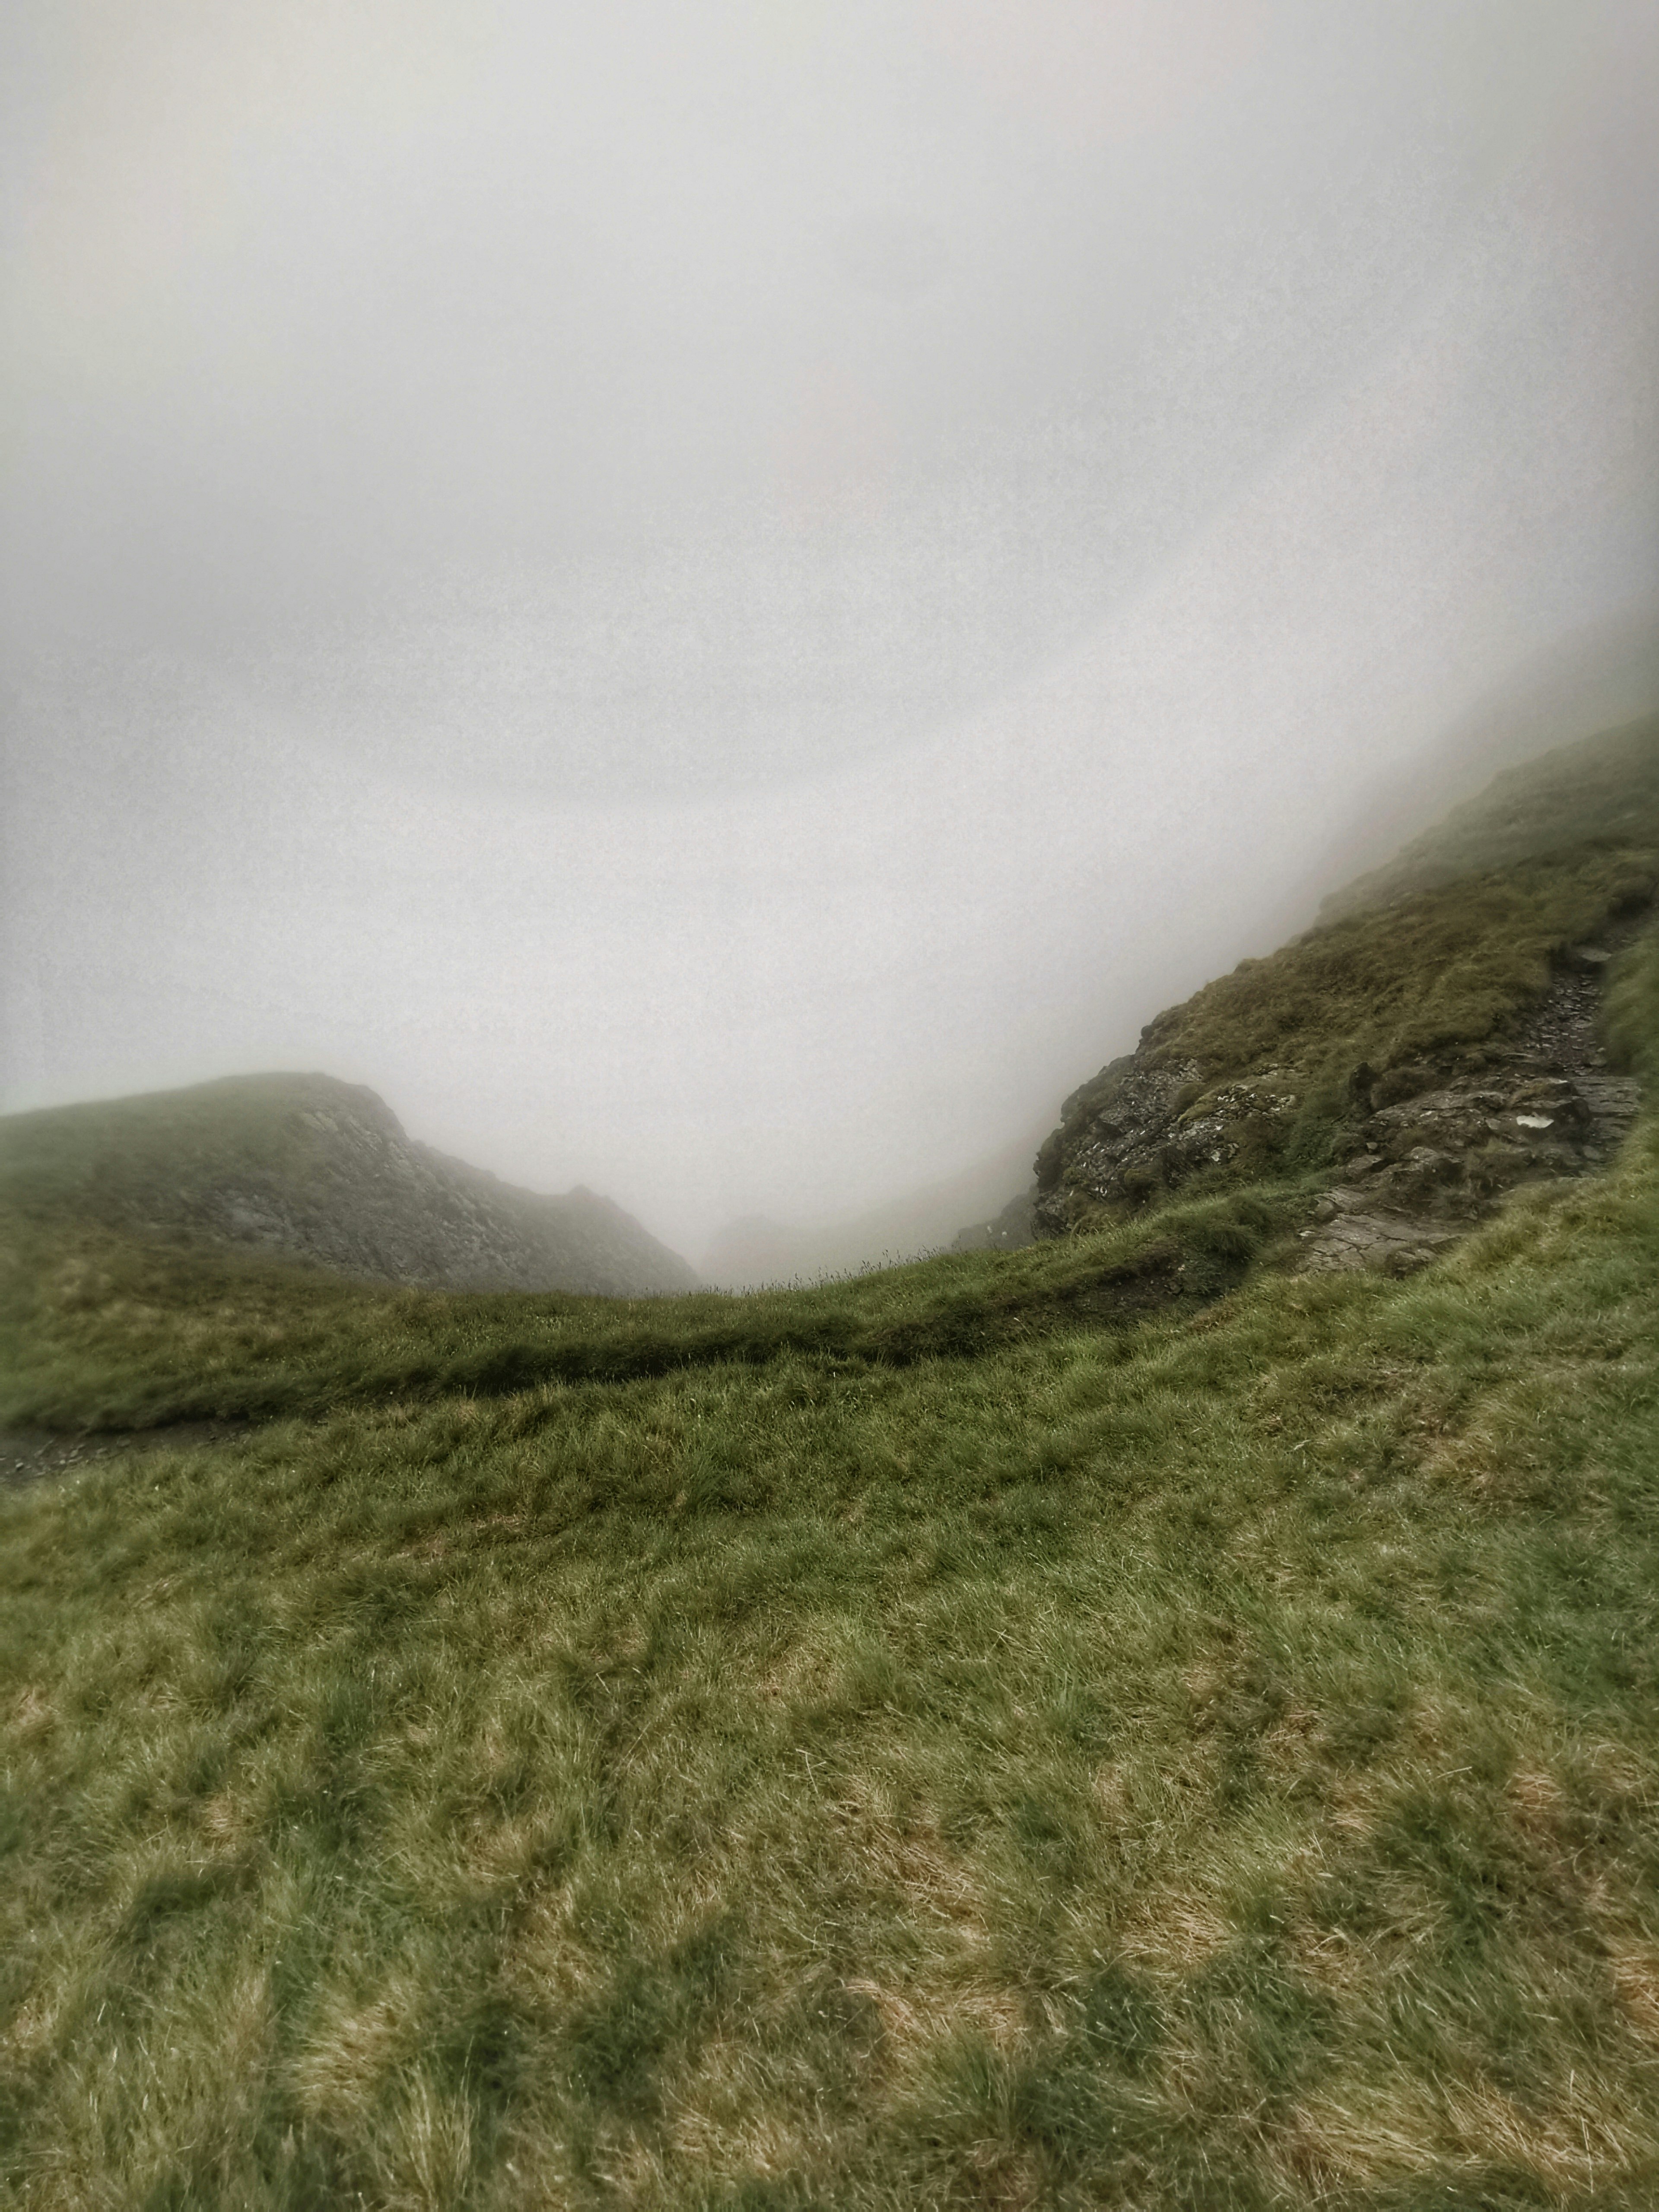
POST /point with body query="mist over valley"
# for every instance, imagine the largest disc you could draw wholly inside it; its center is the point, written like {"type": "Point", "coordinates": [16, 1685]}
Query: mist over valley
{"type": "Point", "coordinates": [830, 1106]}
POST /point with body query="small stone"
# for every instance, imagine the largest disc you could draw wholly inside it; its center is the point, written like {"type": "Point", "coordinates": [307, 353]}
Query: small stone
{"type": "Point", "coordinates": [1406, 1260]}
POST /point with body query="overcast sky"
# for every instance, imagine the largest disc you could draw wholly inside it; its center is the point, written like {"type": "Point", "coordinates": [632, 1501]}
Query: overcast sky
{"type": "Point", "coordinates": [722, 599]}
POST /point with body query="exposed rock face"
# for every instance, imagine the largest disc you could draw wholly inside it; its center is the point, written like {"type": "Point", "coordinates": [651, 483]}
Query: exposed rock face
{"type": "Point", "coordinates": [379, 1203]}
{"type": "Point", "coordinates": [1427, 1149]}
{"type": "Point", "coordinates": [309, 1168]}
{"type": "Point", "coordinates": [1121, 1136]}
{"type": "Point", "coordinates": [1439, 1161]}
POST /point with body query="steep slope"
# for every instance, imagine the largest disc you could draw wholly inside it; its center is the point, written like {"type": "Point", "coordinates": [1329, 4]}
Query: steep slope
{"type": "Point", "coordinates": [1600, 793]}
{"type": "Point", "coordinates": [1605, 676]}
{"type": "Point", "coordinates": [309, 1168]}
{"type": "Point", "coordinates": [1430, 1044]}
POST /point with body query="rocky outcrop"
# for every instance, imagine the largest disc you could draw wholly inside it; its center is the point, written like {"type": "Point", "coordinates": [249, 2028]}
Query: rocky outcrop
{"type": "Point", "coordinates": [1430, 1042]}
{"type": "Point", "coordinates": [305, 1167]}
{"type": "Point", "coordinates": [1435, 1163]}
{"type": "Point", "coordinates": [1421, 1151]}
{"type": "Point", "coordinates": [1121, 1137]}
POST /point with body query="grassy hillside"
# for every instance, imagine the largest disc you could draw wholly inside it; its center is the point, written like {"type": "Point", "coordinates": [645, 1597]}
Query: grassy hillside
{"type": "Point", "coordinates": [1035, 1729]}
{"type": "Point", "coordinates": [100, 1331]}
{"type": "Point", "coordinates": [1415, 969]}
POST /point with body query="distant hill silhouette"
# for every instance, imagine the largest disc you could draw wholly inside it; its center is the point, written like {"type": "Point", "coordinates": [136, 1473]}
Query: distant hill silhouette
{"type": "Point", "coordinates": [306, 1167]}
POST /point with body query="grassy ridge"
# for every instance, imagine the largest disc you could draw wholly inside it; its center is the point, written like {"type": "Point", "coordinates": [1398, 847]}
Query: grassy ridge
{"type": "Point", "coordinates": [79, 1158]}
{"type": "Point", "coordinates": [1445, 966]}
{"type": "Point", "coordinates": [97, 1328]}
{"type": "Point", "coordinates": [101, 1331]}
{"type": "Point", "coordinates": [1211, 1764]}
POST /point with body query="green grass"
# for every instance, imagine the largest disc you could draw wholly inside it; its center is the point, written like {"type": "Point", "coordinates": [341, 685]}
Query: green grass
{"type": "Point", "coordinates": [1203, 1760]}
{"type": "Point", "coordinates": [99, 1330]}
{"type": "Point", "coordinates": [1446, 966]}
{"type": "Point", "coordinates": [1115, 1725]}
{"type": "Point", "coordinates": [113, 1156]}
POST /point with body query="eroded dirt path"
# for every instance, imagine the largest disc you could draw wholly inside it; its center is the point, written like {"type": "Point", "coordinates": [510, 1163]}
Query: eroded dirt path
{"type": "Point", "coordinates": [1451, 1138]}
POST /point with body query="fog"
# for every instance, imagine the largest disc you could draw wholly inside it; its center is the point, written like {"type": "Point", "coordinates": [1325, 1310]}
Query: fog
{"type": "Point", "coordinates": [721, 601]}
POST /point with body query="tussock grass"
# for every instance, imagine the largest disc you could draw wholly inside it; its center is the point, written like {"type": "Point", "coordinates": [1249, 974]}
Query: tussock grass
{"type": "Point", "coordinates": [1117, 1725]}
{"type": "Point", "coordinates": [1208, 1761]}
{"type": "Point", "coordinates": [1445, 966]}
